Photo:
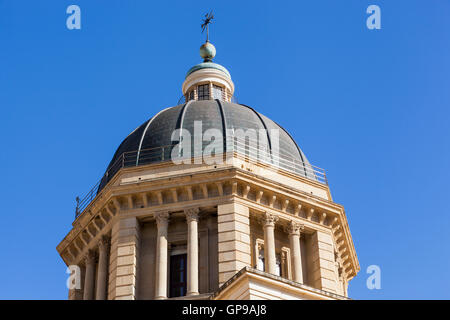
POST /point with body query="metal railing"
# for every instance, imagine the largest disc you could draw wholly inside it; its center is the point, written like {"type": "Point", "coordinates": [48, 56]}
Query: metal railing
{"type": "Point", "coordinates": [279, 161]}
{"type": "Point", "coordinates": [248, 151]}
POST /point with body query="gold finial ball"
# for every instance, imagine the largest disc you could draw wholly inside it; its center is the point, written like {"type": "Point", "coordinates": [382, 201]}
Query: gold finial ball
{"type": "Point", "coordinates": [207, 51]}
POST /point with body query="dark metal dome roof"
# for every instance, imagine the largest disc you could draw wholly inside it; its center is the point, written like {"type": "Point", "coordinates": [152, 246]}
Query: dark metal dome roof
{"type": "Point", "coordinates": [157, 132]}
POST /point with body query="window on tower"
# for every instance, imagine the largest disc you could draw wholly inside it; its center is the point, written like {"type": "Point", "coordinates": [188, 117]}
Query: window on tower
{"type": "Point", "coordinates": [191, 95]}
{"type": "Point", "coordinates": [203, 92]}
{"type": "Point", "coordinates": [178, 272]}
{"type": "Point", "coordinates": [278, 265]}
{"type": "Point", "coordinates": [217, 92]}
{"type": "Point", "coordinates": [260, 262]}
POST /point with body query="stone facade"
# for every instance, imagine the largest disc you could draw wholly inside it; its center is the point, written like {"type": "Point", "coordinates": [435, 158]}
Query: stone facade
{"type": "Point", "coordinates": [223, 216]}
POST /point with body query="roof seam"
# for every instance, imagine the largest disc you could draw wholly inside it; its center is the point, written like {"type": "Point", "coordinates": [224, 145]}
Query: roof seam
{"type": "Point", "coordinates": [183, 112]}
{"type": "Point", "coordinates": [145, 131]}
{"type": "Point", "coordinates": [224, 124]}
{"type": "Point", "coordinates": [264, 125]}
{"type": "Point", "coordinates": [296, 145]}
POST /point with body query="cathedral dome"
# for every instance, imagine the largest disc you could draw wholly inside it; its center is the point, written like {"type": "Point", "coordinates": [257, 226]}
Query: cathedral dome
{"type": "Point", "coordinates": [152, 141]}
{"type": "Point", "coordinates": [208, 91]}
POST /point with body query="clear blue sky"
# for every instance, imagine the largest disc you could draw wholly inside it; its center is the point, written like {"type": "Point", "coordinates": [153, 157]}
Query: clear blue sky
{"type": "Point", "coordinates": [369, 106]}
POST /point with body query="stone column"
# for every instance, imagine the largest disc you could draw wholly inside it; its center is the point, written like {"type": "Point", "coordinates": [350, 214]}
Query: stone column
{"type": "Point", "coordinates": [102, 273]}
{"type": "Point", "coordinates": [294, 240]}
{"type": "Point", "coordinates": [192, 251]}
{"type": "Point", "coordinates": [269, 242]}
{"type": "Point", "coordinates": [162, 222]}
{"type": "Point", "coordinates": [89, 276]}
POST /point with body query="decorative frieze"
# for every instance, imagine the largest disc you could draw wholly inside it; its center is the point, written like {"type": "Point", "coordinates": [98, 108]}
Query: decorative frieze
{"type": "Point", "coordinates": [309, 213]}
{"type": "Point", "coordinates": [219, 188]}
{"type": "Point", "coordinates": [259, 196]}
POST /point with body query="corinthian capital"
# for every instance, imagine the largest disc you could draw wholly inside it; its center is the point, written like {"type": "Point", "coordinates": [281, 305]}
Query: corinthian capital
{"type": "Point", "coordinates": [191, 214]}
{"type": "Point", "coordinates": [104, 242]}
{"type": "Point", "coordinates": [89, 258]}
{"type": "Point", "coordinates": [269, 220]}
{"type": "Point", "coordinates": [294, 228]}
{"type": "Point", "coordinates": [162, 218]}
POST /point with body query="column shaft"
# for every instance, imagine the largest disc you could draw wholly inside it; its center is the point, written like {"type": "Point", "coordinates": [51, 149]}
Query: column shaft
{"type": "Point", "coordinates": [89, 277]}
{"type": "Point", "coordinates": [192, 251]}
{"type": "Point", "coordinates": [102, 273]}
{"type": "Point", "coordinates": [269, 242]}
{"type": "Point", "coordinates": [294, 239]}
{"type": "Point", "coordinates": [161, 255]}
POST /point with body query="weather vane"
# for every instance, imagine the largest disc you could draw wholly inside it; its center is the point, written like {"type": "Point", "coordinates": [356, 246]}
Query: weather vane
{"type": "Point", "coordinates": [208, 17]}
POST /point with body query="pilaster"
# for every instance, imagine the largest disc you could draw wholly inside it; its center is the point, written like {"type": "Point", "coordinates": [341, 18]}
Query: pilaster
{"type": "Point", "coordinates": [233, 239]}
{"type": "Point", "coordinates": [123, 265]}
{"type": "Point", "coordinates": [323, 263]}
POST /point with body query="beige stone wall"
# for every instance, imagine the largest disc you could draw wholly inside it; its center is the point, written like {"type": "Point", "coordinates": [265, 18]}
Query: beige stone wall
{"type": "Point", "coordinates": [305, 253]}
{"type": "Point", "coordinates": [322, 262]}
{"type": "Point", "coordinates": [227, 243]}
{"type": "Point", "coordinates": [147, 258]}
{"type": "Point", "coordinates": [123, 262]}
{"type": "Point", "coordinates": [233, 226]}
